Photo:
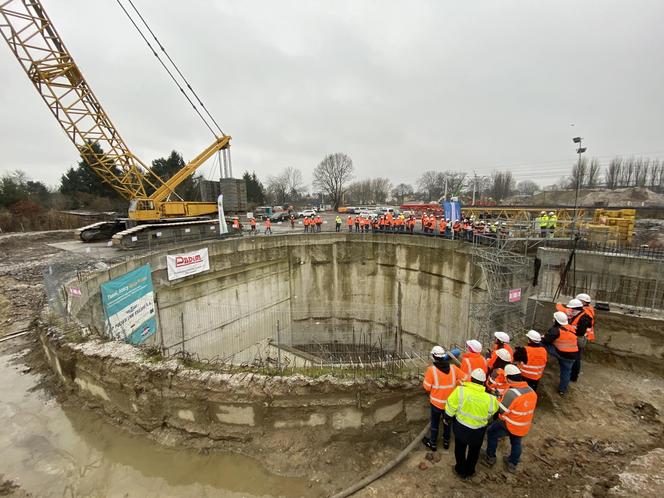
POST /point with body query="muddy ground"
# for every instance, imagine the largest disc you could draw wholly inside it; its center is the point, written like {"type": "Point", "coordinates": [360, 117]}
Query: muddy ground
{"type": "Point", "coordinates": [604, 438]}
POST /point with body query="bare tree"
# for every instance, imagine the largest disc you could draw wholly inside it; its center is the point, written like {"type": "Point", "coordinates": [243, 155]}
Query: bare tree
{"type": "Point", "coordinates": [277, 188]}
{"type": "Point", "coordinates": [502, 184]}
{"type": "Point", "coordinates": [380, 188]}
{"type": "Point", "coordinates": [453, 182]}
{"type": "Point", "coordinates": [401, 191]}
{"type": "Point", "coordinates": [431, 184]}
{"type": "Point", "coordinates": [592, 177]}
{"type": "Point", "coordinates": [294, 181]}
{"type": "Point", "coordinates": [332, 175]}
{"type": "Point", "coordinates": [579, 173]}
{"type": "Point", "coordinates": [527, 187]}
{"type": "Point", "coordinates": [641, 171]}
{"type": "Point", "coordinates": [613, 173]}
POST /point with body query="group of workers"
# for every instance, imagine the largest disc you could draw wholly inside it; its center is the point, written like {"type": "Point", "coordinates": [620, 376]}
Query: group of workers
{"type": "Point", "coordinates": [547, 224]}
{"type": "Point", "coordinates": [495, 394]}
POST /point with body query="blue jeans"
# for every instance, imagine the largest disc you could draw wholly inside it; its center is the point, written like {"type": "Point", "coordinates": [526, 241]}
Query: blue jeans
{"type": "Point", "coordinates": [565, 368]}
{"type": "Point", "coordinates": [576, 369]}
{"type": "Point", "coordinates": [497, 431]}
{"type": "Point", "coordinates": [436, 415]}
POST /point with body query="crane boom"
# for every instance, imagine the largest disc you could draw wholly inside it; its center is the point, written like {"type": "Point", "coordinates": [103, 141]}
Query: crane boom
{"type": "Point", "coordinates": [35, 42]}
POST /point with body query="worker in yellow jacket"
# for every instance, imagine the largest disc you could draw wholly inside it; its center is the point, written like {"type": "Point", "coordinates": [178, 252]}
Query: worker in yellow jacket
{"type": "Point", "coordinates": [473, 409]}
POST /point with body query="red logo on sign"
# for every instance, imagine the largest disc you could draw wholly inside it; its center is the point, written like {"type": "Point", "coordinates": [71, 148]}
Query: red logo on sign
{"type": "Point", "coordinates": [187, 260]}
{"type": "Point", "coordinates": [514, 295]}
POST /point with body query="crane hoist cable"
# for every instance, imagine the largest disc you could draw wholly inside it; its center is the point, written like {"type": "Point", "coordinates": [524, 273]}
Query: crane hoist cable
{"type": "Point", "coordinates": [198, 99]}
{"type": "Point", "coordinates": [175, 81]}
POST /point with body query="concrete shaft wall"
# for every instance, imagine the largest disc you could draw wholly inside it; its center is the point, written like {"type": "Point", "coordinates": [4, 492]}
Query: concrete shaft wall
{"type": "Point", "coordinates": [319, 288]}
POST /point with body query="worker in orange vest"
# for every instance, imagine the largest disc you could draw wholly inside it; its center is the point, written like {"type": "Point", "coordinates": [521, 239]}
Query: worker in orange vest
{"type": "Point", "coordinates": [305, 222]}
{"type": "Point", "coordinates": [496, 382]}
{"type": "Point", "coordinates": [357, 223]}
{"type": "Point", "coordinates": [411, 224]}
{"type": "Point", "coordinates": [584, 322]}
{"type": "Point", "coordinates": [515, 416]}
{"type": "Point", "coordinates": [440, 380]}
{"type": "Point", "coordinates": [502, 341]}
{"type": "Point", "coordinates": [349, 222]}
{"type": "Point", "coordinates": [531, 359]}
{"type": "Point", "coordinates": [561, 343]}
{"type": "Point", "coordinates": [442, 226]}
{"type": "Point", "coordinates": [252, 222]}
{"type": "Point", "coordinates": [590, 311]}
{"type": "Point", "coordinates": [236, 224]}
{"type": "Point", "coordinates": [319, 222]}
{"type": "Point", "coordinates": [268, 226]}
{"type": "Point", "coordinates": [473, 358]}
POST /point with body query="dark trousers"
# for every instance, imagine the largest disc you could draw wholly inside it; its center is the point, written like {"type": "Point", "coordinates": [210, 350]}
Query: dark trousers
{"type": "Point", "coordinates": [467, 445]}
{"type": "Point", "coordinates": [338, 227]}
{"type": "Point", "coordinates": [497, 431]}
{"type": "Point", "coordinates": [532, 383]}
{"type": "Point", "coordinates": [436, 414]}
{"type": "Point", "coordinates": [576, 368]}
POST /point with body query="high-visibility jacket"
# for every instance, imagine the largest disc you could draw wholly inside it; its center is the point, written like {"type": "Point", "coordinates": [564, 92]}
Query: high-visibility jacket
{"type": "Point", "coordinates": [471, 361]}
{"type": "Point", "coordinates": [456, 227]}
{"type": "Point", "coordinates": [566, 341]}
{"type": "Point", "coordinates": [543, 221]}
{"type": "Point", "coordinates": [337, 220]}
{"type": "Point", "coordinates": [574, 321]}
{"type": "Point", "coordinates": [494, 355]}
{"type": "Point", "coordinates": [252, 221]}
{"type": "Point", "coordinates": [268, 223]}
{"type": "Point", "coordinates": [553, 219]}
{"type": "Point", "coordinates": [443, 225]}
{"type": "Point", "coordinates": [537, 358]}
{"type": "Point", "coordinates": [517, 408]}
{"type": "Point", "coordinates": [357, 220]}
{"type": "Point", "coordinates": [440, 384]}
{"type": "Point", "coordinates": [350, 221]}
{"type": "Point", "coordinates": [471, 405]}
{"type": "Point", "coordinates": [497, 381]}
{"type": "Point", "coordinates": [590, 332]}
{"type": "Point", "coordinates": [236, 224]}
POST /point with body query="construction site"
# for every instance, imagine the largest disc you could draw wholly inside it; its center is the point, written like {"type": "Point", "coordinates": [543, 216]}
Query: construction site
{"type": "Point", "coordinates": [172, 351]}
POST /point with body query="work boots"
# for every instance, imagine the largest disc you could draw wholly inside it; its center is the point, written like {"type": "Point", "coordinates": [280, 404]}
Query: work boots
{"type": "Point", "coordinates": [509, 466]}
{"type": "Point", "coordinates": [429, 444]}
{"type": "Point", "coordinates": [487, 460]}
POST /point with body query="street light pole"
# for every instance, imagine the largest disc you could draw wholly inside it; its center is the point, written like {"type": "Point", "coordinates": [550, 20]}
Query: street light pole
{"type": "Point", "coordinates": [580, 150]}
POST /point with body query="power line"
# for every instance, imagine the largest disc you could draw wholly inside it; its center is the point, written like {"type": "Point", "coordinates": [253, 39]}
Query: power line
{"type": "Point", "coordinates": [154, 52]}
{"type": "Point", "coordinates": [176, 68]}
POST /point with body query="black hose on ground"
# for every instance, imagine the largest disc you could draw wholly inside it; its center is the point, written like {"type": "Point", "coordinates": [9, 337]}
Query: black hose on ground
{"type": "Point", "coordinates": [385, 468]}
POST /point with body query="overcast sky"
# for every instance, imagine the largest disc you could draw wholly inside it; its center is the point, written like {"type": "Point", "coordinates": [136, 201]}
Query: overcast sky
{"type": "Point", "coordinates": [402, 87]}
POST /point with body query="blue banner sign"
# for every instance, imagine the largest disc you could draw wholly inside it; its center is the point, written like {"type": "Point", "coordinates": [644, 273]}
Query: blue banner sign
{"type": "Point", "coordinates": [129, 306]}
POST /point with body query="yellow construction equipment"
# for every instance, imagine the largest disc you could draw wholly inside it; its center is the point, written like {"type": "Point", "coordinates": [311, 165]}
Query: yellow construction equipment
{"type": "Point", "coordinates": [41, 52]}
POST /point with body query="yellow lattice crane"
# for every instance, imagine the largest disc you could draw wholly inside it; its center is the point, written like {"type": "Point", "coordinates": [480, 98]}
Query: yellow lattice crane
{"type": "Point", "coordinates": [39, 49]}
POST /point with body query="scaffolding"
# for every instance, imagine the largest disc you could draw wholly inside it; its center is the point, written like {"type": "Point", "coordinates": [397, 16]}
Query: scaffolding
{"type": "Point", "coordinates": [504, 283]}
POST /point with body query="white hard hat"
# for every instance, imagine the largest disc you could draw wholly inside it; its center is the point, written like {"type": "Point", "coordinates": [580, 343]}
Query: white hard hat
{"type": "Point", "coordinates": [550, 213]}
{"type": "Point", "coordinates": [502, 336]}
{"type": "Point", "coordinates": [437, 352]}
{"type": "Point", "coordinates": [560, 317]}
{"type": "Point", "coordinates": [574, 303]}
{"type": "Point", "coordinates": [512, 370]}
{"type": "Point", "coordinates": [474, 345]}
{"type": "Point", "coordinates": [543, 212]}
{"type": "Point", "coordinates": [534, 336]}
{"type": "Point", "coordinates": [583, 297]}
{"type": "Point", "coordinates": [504, 354]}
{"type": "Point", "coordinates": [478, 374]}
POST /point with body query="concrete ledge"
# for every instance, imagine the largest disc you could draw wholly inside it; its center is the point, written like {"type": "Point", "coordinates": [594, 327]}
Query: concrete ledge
{"type": "Point", "coordinates": [156, 395]}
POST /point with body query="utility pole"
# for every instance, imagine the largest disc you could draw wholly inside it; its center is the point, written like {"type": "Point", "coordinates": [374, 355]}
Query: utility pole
{"type": "Point", "coordinates": [580, 150]}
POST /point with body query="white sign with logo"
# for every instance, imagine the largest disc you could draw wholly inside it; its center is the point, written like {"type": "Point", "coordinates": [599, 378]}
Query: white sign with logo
{"type": "Point", "coordinates": [188, 263]}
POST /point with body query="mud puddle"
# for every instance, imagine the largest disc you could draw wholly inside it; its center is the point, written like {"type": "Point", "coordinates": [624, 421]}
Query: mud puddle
{"type": "Point", "coordinates": [50, 450]}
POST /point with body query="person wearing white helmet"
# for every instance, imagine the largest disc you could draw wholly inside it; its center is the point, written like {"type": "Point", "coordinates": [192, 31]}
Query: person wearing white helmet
{"type": "Point", "coordinates": [552, 222]}
{"type": "Point", "coordinates": [531, 359]}
{"type": "Point", "coordinates": [473, 358]}
{"type": "Point", "coordinates": [543, 223]}
{"type": "Point", "coordinates": [496, 382]}
{"type": "Point", "coordinates": [515, 416]}
{"type": "Point", "coordinates": [560, 341]}
{"type": "Point", "coordinates": [473, 409]}
{"type": "Point", "coordinates": [440, 379]}
{"type": "Point", "coordinates": [502, 341]}
{"type": "Point", "coordinates": [583, 320]}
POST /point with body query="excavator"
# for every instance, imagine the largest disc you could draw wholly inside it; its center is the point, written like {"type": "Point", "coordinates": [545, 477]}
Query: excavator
{"type": "Point", "coordinates": [153, 203]}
